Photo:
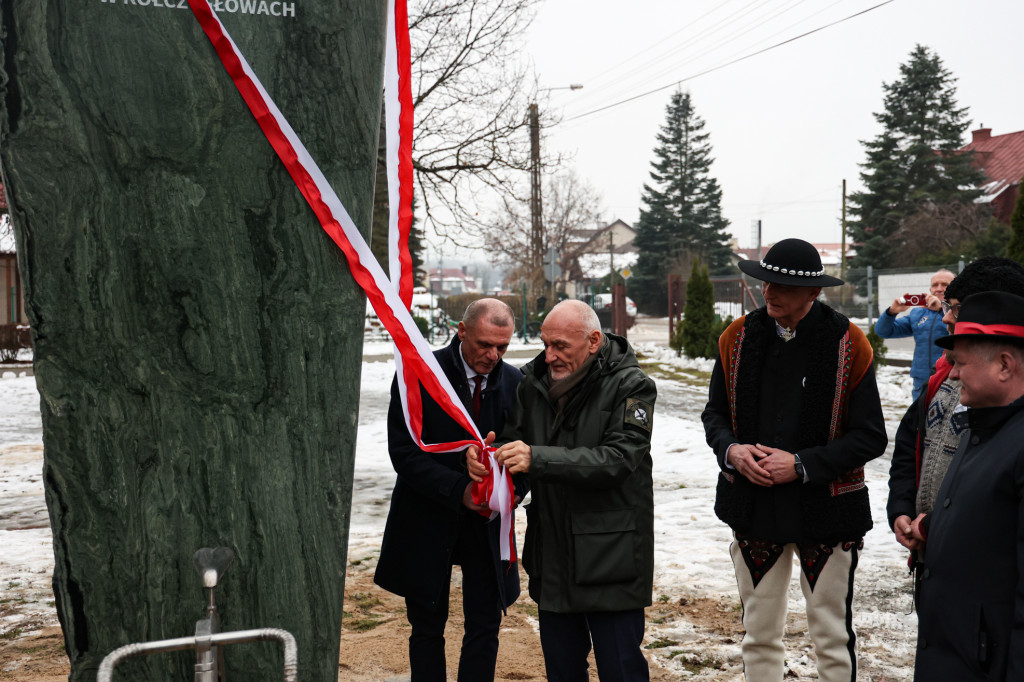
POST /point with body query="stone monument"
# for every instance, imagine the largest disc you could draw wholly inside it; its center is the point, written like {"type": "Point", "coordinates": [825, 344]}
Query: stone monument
{"type": "Point", "coordinates": [198, 337]}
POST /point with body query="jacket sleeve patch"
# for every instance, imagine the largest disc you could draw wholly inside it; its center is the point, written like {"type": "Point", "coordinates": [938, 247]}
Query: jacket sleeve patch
{"type": "Point", "coordinates": [639, 414]}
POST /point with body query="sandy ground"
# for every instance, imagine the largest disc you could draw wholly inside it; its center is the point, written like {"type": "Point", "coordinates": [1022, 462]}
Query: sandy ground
{"type": "Point", "coordinates": [374, 635]}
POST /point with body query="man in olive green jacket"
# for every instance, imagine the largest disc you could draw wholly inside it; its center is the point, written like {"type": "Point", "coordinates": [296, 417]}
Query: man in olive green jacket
{"type": "Point", "coordinates": [581, 430]}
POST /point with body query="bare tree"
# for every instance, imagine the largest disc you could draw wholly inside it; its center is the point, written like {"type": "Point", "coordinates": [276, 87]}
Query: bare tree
{"type": "Point", "coordinates": [570, 204]}
{"type": "Point", "coordinates": [937, 228]}
{"type": "Point", "coordinates": [471, 92]}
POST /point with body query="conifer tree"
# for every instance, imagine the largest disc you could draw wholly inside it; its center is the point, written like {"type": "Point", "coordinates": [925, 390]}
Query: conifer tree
{"type": "Point", "coordinates": [913, 163]}
{"type": "Point", "coordinates": [682, 213]}
{"type": "Point", "coordinates": [698, 334]}
{"type": "Point", "coordinates": [1015, 249]}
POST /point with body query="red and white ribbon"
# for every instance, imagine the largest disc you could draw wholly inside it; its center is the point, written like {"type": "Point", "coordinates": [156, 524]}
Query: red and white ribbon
{"type": "Point", "coordinates": [390, 301]}
{"type": "Point", "coordinates": [496, 492]}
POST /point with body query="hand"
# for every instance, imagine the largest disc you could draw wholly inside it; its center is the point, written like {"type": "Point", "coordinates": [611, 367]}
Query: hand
{"type": "Point", "coordinates": [477, 469]}
{"type": "Point", "coordinates": [898, 306]}
{"type": "Point", "coordinates": [917, 529]}
{"type": "Point", "coordinates": [933, 302]}
{"type": "Point", "coordinates": [901, 528]}
{"type": "Point", "coordinates": [515, 457]}
{"type": "Point", "coordinates": [467, 500]}
{"type": "Point", "coordinates": [778, 463]}
{"type": "Point", "coordinates": [746, 460]}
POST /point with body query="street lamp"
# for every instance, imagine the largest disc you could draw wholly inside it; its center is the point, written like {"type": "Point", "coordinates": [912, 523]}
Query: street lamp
{"type": "Point", "coordinates": [536, 222]}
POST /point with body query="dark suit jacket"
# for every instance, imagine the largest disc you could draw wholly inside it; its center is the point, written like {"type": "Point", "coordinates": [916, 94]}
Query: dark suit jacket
{"type": "Point", "coordinates": [971, 603]}
{"type": "Point", "coordinates": [426, 505]}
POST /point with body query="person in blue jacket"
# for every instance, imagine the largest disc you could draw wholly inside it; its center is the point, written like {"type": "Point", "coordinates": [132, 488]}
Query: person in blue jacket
{"type": "Point", "coordinates": [924, 323]}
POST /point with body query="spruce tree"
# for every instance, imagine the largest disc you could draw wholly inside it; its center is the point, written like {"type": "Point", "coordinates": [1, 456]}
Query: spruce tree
{"type": "Point", "coordinates": [698, 325]}
{"type": "Point", "coordinates": [913, 163]}
{"type": "Point", "coordinates": [1015, 249]}
{"type": "Point", "coordinates": [682, 206]}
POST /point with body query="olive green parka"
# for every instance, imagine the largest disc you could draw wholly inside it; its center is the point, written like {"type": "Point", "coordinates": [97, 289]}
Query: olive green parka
{"type": "Point", "coordinates": [590, 523]}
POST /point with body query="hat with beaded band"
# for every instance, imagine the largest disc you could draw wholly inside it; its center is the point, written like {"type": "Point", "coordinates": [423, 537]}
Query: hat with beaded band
{"type": "Point", "coordinates": [793, 262]}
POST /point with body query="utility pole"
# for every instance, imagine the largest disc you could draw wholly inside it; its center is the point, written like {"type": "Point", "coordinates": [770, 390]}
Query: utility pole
{"type": "Point", "coordinates": [611, 256]}
{"type": "Point", "coordinates": [536, 220]}
{"type": "Point", "coordinates": [842, 248]}
{"type": "Point", "coordinates": [536, 209]}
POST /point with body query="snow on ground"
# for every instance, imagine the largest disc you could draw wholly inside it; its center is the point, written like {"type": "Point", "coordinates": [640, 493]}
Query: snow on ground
{"type": "Point", "coordinates": [691, 544]}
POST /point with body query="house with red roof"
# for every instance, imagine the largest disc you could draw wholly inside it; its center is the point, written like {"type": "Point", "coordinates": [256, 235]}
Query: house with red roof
{"type": "Point", "coordinates": [1001, 157]}
{"type": "Point", "coordinates": [452, 281]}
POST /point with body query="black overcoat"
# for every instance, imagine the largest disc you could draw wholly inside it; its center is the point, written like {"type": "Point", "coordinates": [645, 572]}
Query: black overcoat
{"type": "Point", "coordinates": [426, 504]}
{"type": "Point", "coordinates": [971, 602]}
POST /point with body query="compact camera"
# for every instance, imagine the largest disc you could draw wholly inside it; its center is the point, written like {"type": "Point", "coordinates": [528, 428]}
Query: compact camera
{"type": "Point", "coordinates": [915, 299]}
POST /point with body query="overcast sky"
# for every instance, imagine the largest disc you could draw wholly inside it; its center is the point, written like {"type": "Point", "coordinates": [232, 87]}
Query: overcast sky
{"type": "Point", "coordinates": [785, 125]}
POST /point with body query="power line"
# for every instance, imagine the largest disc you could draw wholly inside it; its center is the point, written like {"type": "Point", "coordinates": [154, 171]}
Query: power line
{"type": "Point", "coordinates": [690, 51]}
{"type": "Point", "coordinates": [730, 63]}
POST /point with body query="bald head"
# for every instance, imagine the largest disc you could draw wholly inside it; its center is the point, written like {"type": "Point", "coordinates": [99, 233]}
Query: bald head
{"type": "Point", "coordinates": [940, 280]}
{"type": "Point", "coordinates": [571, 333]}
{"type": "Point", "coordinates": [574, 314]}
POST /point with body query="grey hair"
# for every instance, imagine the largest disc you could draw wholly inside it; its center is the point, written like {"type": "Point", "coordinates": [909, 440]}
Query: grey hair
{"type": "Point", "coordinates": [990, 347]}
{"type": "Point", "coordinates": [498, 313]}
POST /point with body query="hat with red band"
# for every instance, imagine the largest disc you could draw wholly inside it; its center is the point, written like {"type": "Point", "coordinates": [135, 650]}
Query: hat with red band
{"type": "Point", "coordinates": [991, 315]}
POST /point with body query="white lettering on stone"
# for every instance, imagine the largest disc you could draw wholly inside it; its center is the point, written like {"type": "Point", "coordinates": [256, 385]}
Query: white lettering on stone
{"type": "Point", "coordinates": [274, 8]}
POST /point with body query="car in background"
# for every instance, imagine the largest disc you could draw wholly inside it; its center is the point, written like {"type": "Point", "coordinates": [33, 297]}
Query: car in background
{"type": "Point", "coordinates": [602, 305]}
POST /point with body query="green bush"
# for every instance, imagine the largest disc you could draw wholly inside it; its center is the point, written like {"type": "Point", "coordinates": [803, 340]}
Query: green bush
{"type": "Point", "coordinates": [675, 342]}
{"type": "Point", "coordinates": [877, 346]}
{"type": "Point", "coordinates": [422, 323]}
{"type": "Point", "coordinates": [698, 336]}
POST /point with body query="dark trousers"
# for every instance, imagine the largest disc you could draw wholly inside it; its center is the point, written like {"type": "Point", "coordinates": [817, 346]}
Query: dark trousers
{"type": "Point", "coordinates": [480, 607]}
{"type": "Point", "coordinates": [616, 635]}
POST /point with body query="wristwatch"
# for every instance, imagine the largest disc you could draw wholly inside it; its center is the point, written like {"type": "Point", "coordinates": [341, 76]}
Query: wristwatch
{"type": "Point", "coordinates": [798, 467]}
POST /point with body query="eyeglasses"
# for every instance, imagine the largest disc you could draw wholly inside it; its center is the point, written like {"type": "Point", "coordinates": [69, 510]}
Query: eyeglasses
{"type": "Point", "coordinates": [948, 308]}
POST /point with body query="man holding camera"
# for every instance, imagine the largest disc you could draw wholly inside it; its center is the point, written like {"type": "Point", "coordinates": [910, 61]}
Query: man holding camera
{"type": "Point", "coordinates": [924, 323]}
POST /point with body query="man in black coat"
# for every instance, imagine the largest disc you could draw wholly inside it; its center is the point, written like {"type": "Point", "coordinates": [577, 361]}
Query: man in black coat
{"type": "Point", "coordinates": [971, 600]}
{"type": "Point", "coordinates": [793, 416]}
{"type": "Point", "coordinates": [433, 522]}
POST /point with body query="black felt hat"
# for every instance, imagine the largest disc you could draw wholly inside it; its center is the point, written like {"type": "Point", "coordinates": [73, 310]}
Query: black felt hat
{"type": "Point", "coordinates": [793, 262]}
{"type": "Point", "coordinates": [994, 315]}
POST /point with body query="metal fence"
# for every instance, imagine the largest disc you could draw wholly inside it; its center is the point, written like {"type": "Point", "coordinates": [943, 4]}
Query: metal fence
{"type": "Point", "coordinates": [866, 293]}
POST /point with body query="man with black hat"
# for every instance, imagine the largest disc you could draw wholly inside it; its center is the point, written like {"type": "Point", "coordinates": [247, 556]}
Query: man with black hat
{"type": "Point", "coordinates": [971, 599]}
{"type": "Point", "coordinates": [793, 415]}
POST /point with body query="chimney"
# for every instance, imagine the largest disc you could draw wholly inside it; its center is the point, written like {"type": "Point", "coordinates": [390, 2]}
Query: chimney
{"type": "Point", "coordinates": [980, 135]}
{"type": "Point", "coordinates": [464, 270]}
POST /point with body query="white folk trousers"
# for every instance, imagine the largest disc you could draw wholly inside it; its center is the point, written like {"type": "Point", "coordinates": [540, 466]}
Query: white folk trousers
{"type": "Point", "coordinates": [829, 615]}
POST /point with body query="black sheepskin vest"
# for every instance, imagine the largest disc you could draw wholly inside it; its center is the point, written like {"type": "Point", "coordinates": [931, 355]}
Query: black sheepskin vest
{"type": "Point", "coordinates": [829, 512]}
